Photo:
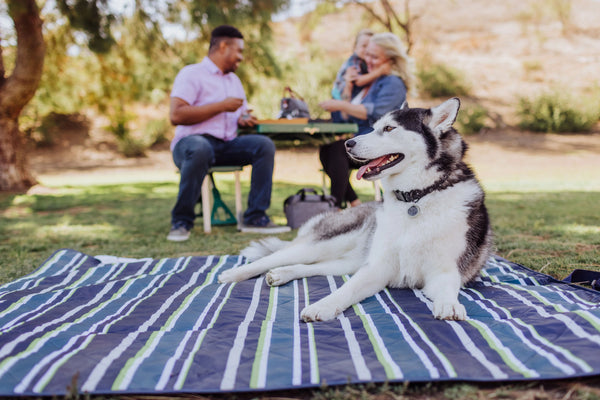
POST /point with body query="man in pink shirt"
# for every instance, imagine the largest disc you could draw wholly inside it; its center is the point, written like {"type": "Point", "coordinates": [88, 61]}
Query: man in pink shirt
{"type": "Point", "coordinates": [208, 103]}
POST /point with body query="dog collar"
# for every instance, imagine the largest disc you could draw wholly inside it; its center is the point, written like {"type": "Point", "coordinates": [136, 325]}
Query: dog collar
{"type": "Point", "coordinates": [413, 196]}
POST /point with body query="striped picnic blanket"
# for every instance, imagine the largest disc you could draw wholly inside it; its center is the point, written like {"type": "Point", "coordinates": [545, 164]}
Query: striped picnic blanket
{"type": "Point", "coordinates": [165, 326]}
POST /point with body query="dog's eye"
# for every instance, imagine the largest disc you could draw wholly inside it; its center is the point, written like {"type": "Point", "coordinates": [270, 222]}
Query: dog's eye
{"type": "Point", "coordinates": [388, 128]}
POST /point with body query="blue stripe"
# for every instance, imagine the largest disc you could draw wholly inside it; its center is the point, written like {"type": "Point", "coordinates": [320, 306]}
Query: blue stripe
{"type": "Point", "coordinates": [502, 326]}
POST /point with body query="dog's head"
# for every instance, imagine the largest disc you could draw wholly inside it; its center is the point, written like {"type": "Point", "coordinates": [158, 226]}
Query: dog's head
{"type": "Point", "coordinates": [409, 136]}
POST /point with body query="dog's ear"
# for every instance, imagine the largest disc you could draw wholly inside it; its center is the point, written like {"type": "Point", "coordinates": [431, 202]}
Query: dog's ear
{"type": "Point", "coordinates": [444, 115]}
{"type": "Point", "coordinates": [404, 106]}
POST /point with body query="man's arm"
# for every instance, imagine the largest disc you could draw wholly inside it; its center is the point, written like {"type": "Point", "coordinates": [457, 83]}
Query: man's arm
{"type": "Point", "coordinates": [182, 113]}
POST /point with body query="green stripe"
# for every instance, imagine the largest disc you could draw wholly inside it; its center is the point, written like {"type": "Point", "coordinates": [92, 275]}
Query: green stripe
{"type": "Point", "coordinates": [188, 364]}
{"type": "Point", "coordinates": [61, 328]}
{"type": "Point", "coordinates": [261, 341]}
{"type": "Point", "coordinates": [555, 348]}
{"type": "Point", "coordinates": [174, 316]}
{"type": "Point", "coordinates": [128, 365]}
{"type": "Point", "coordinates": [439, 354]}
{"type": "Point", "coordinates": [56, 365]}
{"type": "Point", "coordinates": [589, 318]}
{"type": "Point", "coordinates": [389, 371]}
{"type": "Point", "coordinates": [502, 353]}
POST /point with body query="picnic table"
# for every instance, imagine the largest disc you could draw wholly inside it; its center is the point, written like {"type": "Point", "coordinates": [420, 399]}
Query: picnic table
{"type": "Point", "coordinates": [302, 130]}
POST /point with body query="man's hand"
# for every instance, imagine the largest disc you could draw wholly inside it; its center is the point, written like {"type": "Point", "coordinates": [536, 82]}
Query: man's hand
{"type": "Point", "coordinates": [231, 104]}
{"type": "Point", "coordinates": [247, 120]}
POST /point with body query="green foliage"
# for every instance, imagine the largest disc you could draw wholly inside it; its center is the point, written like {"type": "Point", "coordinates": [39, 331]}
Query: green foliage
{"type": "Point", "coordinates": [557, 112]}
{"type": "Point", "coordinates": [92, 18]}
{"type": "Point", "coordinates": [472, 119]}
{"type": "Point", "coordinates": [439, 80]}
{"type": "Point", "coordinates": [157, 131]}
{"type": "Point", "coordinates": [55, 124]}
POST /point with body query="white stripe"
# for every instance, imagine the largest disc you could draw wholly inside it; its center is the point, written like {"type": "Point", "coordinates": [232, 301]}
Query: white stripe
{"type": "Point", "coordinates": [433, 371]}
{"type": "Point", "coordinates": [100, 369]}
{"type": "Point", "coordinates": [360, 365]}
{"type": "Point", "coordinates": [91, 332]}
{"type": "Point", "coordinates": [475, 352]}
{"type": "Point", "coordinates": [28, 279]}
{"type": "Point", "coordinates": [235, 354]}
{"type": "Point", "coordinates": [384, 351]}
{"type": "Point", "coordinates": [312, 346]}
{"type": "Point", "coordinates": [551, 357]}
{"type": "Point", "coordinates": [467, 342]}
{"type": "Point", "coordinates": [35, 312]}
{"type": "Point", "coordinates": [170, 364]}
{"type": "Point", "coordinates": [190, 358]}
{"type": "Point", "coordinates": [297, 354]}
{"type": "Point", "coordinates": [262, 372]}
{"type": "Point", "coordinates": [521, 368]}
{"type": "Point", "coordinates": [37, 344]}
{"type": "Point", "coordinates": [44, 380]}
{"type": "Point", "coordinates": [450, 371]}
{"type": "Point", "coordinates": [569, 323]}
{"type": "Point", "coordinates": [52, 288]}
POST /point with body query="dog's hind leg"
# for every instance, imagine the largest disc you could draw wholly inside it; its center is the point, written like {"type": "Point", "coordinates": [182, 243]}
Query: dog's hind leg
{"type": "Point", "coordinates": [282, 275]}
{"type": "Point", "coordinates": [303, 253]}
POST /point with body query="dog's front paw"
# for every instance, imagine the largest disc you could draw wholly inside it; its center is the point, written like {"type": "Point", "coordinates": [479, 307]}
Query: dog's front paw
{"type": "Point", "coordinates": [318, 312]}
{"type": "Point", "coordinates": [279, 276]}
{"type": "Point", "coordinates": [229, 276]}
{"type": "Point", "coordinates": [274, 278]}
{"type": "Point", "coordinates": [452, 311]}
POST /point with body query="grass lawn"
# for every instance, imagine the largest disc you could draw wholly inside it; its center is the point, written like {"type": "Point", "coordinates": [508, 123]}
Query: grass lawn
{"type": "Point", "coordinates": [549, 230]}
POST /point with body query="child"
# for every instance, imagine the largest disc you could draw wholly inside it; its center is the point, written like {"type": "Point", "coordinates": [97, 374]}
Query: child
{"type": "Point", "coordinates": [354, 65]}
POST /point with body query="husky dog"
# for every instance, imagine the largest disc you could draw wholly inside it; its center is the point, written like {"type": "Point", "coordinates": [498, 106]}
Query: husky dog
{"type": "Point", "coordinates": [431, 232]}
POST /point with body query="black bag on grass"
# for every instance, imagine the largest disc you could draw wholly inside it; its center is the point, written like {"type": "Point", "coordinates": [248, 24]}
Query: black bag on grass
{"type": "Point", "coordinates": [305, 204]}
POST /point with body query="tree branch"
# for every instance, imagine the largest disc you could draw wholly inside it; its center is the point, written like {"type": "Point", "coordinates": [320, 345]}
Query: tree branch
{"type": "Point", "coordinates": [20, 87]}
{"type": "Point", "coordinates": [2, 70]}
{"type": "Point", "coordinates": [372, 12]}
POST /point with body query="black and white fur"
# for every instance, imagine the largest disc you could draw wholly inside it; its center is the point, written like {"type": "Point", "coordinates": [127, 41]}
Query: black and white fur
{"type": "Point", "coordinates": [431, 232]}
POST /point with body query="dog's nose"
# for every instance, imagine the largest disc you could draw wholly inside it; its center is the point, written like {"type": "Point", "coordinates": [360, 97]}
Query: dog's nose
{"type": "Point", "coordinates": [350, 143]}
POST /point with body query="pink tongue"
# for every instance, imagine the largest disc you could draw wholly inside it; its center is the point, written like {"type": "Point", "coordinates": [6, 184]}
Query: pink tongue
{"type": "Point", "coordinates": [371, 164]}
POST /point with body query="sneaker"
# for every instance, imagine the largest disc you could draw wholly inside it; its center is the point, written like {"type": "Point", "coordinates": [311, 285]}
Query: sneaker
{"type": "Point", "coordinates": [263, 225]}
{"type": "Point", "coordinates": [179, 234]}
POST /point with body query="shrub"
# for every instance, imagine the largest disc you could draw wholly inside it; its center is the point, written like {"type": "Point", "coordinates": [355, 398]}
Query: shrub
{"type": "Point", "coordinates": [54, 124]}
{"type": "Point", "coordinates": [439, 80]}
{"type": "Point", "coordinates": [556, 112]}
{"type": "Point", "coordinates": [472, 119]}
{"type": "Point", "coordinates": [157, 131]}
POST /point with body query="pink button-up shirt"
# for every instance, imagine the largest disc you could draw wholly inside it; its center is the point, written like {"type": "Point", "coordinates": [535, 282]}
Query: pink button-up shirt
{"type": "Point", "coordinates": [205, 83]}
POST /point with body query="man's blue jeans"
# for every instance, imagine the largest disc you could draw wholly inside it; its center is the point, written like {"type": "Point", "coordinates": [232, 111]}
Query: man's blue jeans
{"type": "Point", "coordinates": [195, 154]}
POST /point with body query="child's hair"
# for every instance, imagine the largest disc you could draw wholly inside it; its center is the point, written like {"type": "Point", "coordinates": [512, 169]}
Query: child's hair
{"type": "Point", "coordinates": [402, 64]}
{"type": "Point", "coordinates": [363, 32]}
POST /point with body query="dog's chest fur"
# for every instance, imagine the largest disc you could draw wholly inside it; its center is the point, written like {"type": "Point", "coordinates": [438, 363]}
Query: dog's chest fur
{"type": "Point", "coordinates": [431, 240]}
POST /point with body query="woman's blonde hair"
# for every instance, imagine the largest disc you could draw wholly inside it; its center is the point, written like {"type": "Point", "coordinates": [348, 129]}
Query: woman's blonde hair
{"type": "Point", "coordinates": [402, 65]}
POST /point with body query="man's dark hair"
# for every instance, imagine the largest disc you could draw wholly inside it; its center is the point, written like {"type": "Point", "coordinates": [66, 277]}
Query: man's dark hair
{"type": "Point", "coordinates": [224, 32]}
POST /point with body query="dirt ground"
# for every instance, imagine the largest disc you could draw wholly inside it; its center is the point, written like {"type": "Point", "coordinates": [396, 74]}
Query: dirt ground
{"type": "Point", "coordinates": [497, 156]}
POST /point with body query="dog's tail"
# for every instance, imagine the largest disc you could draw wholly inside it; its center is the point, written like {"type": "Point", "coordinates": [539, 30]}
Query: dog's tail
{"type": "Point", "coordinates": [264, 247]}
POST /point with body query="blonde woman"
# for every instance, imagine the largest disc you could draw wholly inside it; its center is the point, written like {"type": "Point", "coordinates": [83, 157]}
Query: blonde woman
{"type": "Point", "coordinates": [387, 92]}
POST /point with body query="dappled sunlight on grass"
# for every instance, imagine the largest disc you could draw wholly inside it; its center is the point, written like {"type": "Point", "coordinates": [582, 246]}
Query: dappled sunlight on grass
{"type": "Point", "coordinates": [580, 229]}
{"type": "Point", "coordinates": [85, 232]}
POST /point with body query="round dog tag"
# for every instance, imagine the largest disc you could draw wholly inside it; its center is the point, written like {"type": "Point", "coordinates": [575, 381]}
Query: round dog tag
{"type": "Point", "coordinates": [413, 210]}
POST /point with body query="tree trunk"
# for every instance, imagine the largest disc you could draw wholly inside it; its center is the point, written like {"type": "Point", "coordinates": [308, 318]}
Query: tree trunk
{"type": "Point", "coordinates": [16, 91]}
{"type": "Point", "coordinates": [14, 170]}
